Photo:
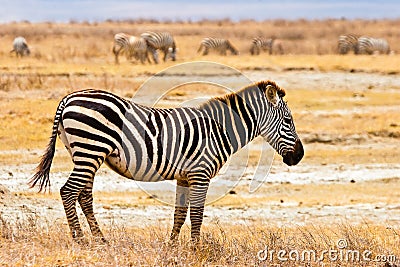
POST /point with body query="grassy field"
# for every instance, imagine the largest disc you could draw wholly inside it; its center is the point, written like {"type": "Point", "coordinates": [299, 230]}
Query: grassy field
{"type": "Point", "coordinates": [35, 243]}
{"type": "Point", "coordinates": [352, 120]}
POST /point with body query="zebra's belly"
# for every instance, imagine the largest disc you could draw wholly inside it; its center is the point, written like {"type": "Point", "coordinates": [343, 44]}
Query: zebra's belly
{"type": "Point", "coordinates": [145, 172]}
{"type": "Point", "coordinates": [117, 164]}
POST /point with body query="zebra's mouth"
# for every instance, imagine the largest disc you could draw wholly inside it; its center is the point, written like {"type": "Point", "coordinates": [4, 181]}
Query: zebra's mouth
{"type": "Point", "coordinates": [293, 157]}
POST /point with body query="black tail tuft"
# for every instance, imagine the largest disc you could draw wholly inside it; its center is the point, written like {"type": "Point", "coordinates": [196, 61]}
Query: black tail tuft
{"type": "Point", "coordinates": [42, 176]}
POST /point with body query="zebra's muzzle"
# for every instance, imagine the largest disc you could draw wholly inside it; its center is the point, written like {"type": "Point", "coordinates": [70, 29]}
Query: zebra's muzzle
{"type": "Point", "coordinates": [293, 157]}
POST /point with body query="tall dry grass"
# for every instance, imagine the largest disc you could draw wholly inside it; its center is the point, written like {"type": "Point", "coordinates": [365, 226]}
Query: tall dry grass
{"type": "Point", "coordinates": [34, 242]}
{"type": "Point", "coordinates": [77, 42]}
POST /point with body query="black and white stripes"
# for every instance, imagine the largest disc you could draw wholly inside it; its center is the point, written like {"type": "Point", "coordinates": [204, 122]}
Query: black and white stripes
{"type": "Point", "coordinates": [150, 144]}
{"type": "Point", "coordinates": [347, 43]}
{"type": "Point", "coordinates": [163, 41]}
{"type": "Point", "coordinates": [260, 43]}
{"type": "Point", "coordinates": [131, 45]}
{"type": "Point", "coordinates": [369, 46]}
{"type": "Point", "coordinates": [217, 44]}
{"type": "Point", "coordinates": [362, 45]}
{"type": "Point", "coordinates": [20, 47]}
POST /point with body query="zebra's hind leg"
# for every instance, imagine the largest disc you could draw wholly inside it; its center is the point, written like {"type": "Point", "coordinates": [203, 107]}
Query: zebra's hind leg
{"type": "Point", "coordinates": [181, 207]}
{"type": "Point", "coordinates": [85, 200]}
{"type": "Point", "coordinates": [82, 174]}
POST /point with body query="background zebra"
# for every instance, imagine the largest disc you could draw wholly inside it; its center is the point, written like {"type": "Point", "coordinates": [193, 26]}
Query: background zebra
{"type": "Point", "coordinates": [347, 43]}
{"type": "Point", "coordinates": [265, 44]}
{"type": "Point", "coordinates": [150, 144]}
{"type": "Point", "coordinates": [132, 46]}
{"type": "Point", "coordinates": [217, 44]}
{"type": "Point", "coordinates": [369, 46]}
{"type": "Point", "coordinates": [163, 41]}
{"type": "Point", "coordinates": [260, 43]}
{"type": "Point", "coordinates": [20, 47]}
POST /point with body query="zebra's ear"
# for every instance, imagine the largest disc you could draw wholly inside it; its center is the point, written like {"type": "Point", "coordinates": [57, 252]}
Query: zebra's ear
{"type": "Point", "coordinates": [271, 93]}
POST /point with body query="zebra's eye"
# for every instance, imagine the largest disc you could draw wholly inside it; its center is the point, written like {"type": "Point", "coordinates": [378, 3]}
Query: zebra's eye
{"type": "Point", "coordinates": [287, 120]}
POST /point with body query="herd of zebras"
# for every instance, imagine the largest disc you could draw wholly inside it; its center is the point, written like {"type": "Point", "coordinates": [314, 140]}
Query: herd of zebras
{"type": "Point", "coordinates": [362, 45]}
{"type": "Point", "coordinates": [139, 48]}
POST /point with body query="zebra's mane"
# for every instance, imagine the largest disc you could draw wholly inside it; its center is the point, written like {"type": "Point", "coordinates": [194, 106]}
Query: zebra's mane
{"type": "Point", "coordinates": [262, 85]}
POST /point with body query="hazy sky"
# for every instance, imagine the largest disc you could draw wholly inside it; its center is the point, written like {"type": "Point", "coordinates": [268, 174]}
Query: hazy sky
{"type": "Point", "coordinates": [99, 10]}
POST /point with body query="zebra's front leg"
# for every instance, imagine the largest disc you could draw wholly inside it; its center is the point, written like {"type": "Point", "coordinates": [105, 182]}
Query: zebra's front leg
{"type": "Point", "coordinates": [181, 207]}
{"type": "Point", "coordinates": [165, 51]}
{"type": "Point", "coordinates": [197, 199]}
{"type": "Point", "coordinates": [148, 57]}
{"type": "Point", "coordinates": [85, 200]}
{"type": "Point", "coordinates": [116, 53]}
{"type": "Point", "coordinates": [154, 52]}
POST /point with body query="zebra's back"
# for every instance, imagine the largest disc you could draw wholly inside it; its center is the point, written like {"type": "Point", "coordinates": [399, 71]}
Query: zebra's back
{"type": "Point", "coordinates": [159, 40]}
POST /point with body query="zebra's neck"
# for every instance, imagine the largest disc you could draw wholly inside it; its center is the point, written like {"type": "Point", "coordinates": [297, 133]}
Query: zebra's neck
{"type": "Point", "coordinates": [238, 114]}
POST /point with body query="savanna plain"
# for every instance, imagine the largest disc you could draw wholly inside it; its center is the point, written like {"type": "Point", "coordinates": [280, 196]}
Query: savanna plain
{"type": "Point", "coordinates": [343, 197]}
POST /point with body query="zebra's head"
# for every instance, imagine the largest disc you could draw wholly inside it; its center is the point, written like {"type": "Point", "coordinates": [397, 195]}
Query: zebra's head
{"type": "Point", "coordinates": [277, 126]}
{"type": "Point", "coordinates": [172, 53]}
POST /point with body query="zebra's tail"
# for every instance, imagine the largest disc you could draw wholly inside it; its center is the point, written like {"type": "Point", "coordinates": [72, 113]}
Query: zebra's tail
{"type": "Point", "coordinates": [42, 176]}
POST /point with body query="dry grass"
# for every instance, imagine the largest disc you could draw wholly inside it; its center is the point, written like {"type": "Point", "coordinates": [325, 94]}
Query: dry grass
{"type": "Point", "coordinates": [71, 40]}
{"type": "Point", "coordinates": [32, 242]}
{"type": "Point", "coordinates": [86, 48]}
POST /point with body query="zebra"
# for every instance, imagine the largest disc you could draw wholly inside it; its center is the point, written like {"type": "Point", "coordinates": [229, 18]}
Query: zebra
{"type": "Point", "coordinates": [20, 47]}
{"type": "Point", "coordinates": [131, 45]}
{"type": "Point", "coordinates": [163, 41]}
{"type": "Point", "coordinates": [369, 46]}
{"type": "Point", "coordinates": [260, 43]}
{"type": "Point", "coordinates": [347, 43]}
{"type": "Point", "coordinates": [152, 144]}
{"type": "Point", "coordinates": [217, 44]}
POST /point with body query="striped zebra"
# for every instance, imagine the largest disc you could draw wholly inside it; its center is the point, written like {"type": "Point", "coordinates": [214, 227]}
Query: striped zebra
{"type": "Point", "coordinates": [132, 46]}
{"type": "Point", "coordinates": [163, 41]}
{"type": "Point", "coordinates": [20, 47]}
{"type": "Point", "coordinates": [152, 144]}
{"type": "Point", "coordinates": [264, 44]}
{"type": "Point", "coordinates": [369, 46]}
{"type": "Point", "coordinates": [217, 44]}
{"type": "Point", "coordinates": [347, 43]}
{"type": "Point", "coordinates": [260, 43]}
